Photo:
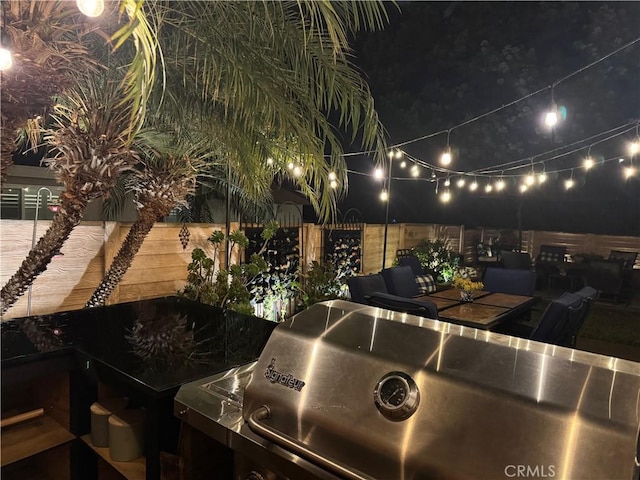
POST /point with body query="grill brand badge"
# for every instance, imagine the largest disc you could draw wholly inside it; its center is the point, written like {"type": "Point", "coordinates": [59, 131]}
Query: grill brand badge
{"type": "Point", "coordinates": [285, 379]}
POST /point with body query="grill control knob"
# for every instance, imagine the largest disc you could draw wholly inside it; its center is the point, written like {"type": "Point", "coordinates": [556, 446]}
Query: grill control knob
{"type": "Point", "coordinates": [396, 396]}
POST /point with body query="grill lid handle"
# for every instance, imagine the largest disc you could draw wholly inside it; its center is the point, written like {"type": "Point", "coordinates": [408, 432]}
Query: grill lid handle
{"type": "Point", "coordinates": [288, 443]}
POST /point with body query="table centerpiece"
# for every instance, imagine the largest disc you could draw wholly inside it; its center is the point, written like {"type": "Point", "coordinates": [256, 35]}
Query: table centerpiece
{"type": "Point", "coordinates": [462, 280]}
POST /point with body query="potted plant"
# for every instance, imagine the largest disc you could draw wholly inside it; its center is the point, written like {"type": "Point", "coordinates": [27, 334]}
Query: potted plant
{"type": "Point", "coordinates": [438, 258]}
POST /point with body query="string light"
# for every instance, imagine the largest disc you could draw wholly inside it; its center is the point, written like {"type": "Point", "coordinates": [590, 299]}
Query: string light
{"type": "Point", "coordinates": [333, 184]}
{"type": "Point", "coordinates": [523, 187]}
{"type": "Point", "coordinates": [530, 179]}
{"type": "Point", "coordinates": [6, 57]}
{"type": "Point", "coordinates": [415, 171]}
{"type": "Point", "coordinates": [588, 162]}
{"type": "Point", "coordinates": [269, 161]}
{"type": "Point", "coordinates": [474, 186]}
{"type": "Point", "coordinates": [445, 159]}
{"type": "Point", "coordinates": [384, 196]}
{"type": "Point", "coordinates": [569, 183]}
{"type": "Point", "coordinates": [629, 171]}
{"type": "Point", "coordinates": [378, 174]}
{"type": "Point", "coordinates": [447, 182]}
{"type": "Point", "coordinates": [460, 183]}
{"type": "Point", "coordinates": [290, 165]}
{"type": "Point", "coordinates": [488, 188]}
{"type": "Point", "coordinates": [403, 164]}
{"type": "Point", "coordinates": [91, 8]}
{"type": "Point", "coordinates": [332, 176]}
{"type": "Point", "coordinates": [634, 147]}
{"type": "Point", "coordinates": [297, 171]}
{"type": "Point", "coordinates": [542, 178]}
{"type": "Point", "coordinates": [446, 196]}
{"type": "Point", "coordinates": [500, 184]}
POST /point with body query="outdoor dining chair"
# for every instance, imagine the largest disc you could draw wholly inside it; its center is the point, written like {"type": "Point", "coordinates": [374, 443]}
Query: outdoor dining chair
{"type": "Point", "coordinates": [361, 286]}
{"type": "Point", "coordinates": [607, 277]}
{"type": "Point", "coordinates": [588, 295]}
{"type": "Point", "coordinates": [562, 312]}
{"type": "Point", "coordinates": [510, 280]}
{"type": "Point", "coordinates": [515, 260]}
{"type": "Point", "coordinates": [401, 281]}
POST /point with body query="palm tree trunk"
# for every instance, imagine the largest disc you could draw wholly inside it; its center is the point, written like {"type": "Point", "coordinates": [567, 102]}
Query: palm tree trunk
{"type": "Point", "coordinates": [121, 263]}
{"type": "Point", "coordinates": [64, 221]}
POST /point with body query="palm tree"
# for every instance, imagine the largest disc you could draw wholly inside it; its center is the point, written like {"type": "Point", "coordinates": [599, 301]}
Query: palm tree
{"type": "Point", "coordinates": [50, 45]}
{"type": "Point", "coordinates": [90, 138]}
{"type": "Point", "coordinates": [262, 95]}
{"type": "Point", "coordinates": [265, 75]}
{"type": "Point", "coordinates": [162, 182]}
{"type": "Point", "coordinates": [280, 69]}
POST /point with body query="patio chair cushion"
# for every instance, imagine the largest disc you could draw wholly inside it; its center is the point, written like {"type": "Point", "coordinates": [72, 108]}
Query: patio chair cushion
{"type": "Point", "coordinates": [426, 284]}
{"type": "Point", "coordinates": [421, 308]}
{"type": "Point", "coordinates": [401, 281]}
{"type": "Point", "coordinates": [361, 286]}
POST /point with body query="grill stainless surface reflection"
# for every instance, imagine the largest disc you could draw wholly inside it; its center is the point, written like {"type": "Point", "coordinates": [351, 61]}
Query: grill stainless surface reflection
{"type": "Point", "coordinates": [343, 390]}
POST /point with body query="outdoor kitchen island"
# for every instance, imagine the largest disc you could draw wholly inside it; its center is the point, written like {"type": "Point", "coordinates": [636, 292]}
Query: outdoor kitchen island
{"type": "Point", "coordinates": [55, 366]}
{"type": "Point", "coordinates": [343, 390]}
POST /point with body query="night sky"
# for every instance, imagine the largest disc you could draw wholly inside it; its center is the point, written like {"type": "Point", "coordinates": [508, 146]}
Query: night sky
{"type": "Point", "coordinates": [439, 64]}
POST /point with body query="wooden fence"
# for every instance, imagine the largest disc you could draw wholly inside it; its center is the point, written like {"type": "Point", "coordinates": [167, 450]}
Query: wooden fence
{"type": "Point", "coordinates": [160, 268]}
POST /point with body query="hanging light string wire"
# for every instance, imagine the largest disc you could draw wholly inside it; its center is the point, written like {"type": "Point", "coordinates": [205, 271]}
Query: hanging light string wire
{"type": "Point", "coordinates": [502, 107]}
{"type": "Point", "coordinates": [520, 163]}
{"type": "Point", "coordinates": [526, 162]}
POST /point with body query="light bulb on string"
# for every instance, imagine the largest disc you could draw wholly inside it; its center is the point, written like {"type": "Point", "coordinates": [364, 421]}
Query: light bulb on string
{"type": "Point", "coordinates": [588, 163]}
{"type": "Point", "coordinates": [433, 175]}
{"type": "Point", "coordinates": [415, 171]}
{"type": "Point", "coordinates": [569, 183]}
{"type": "Point", "coordinates": [297, 171]}
{"type": "Point", "coordinates": [629, 172]}
{"type": "Point", "coordinates": [6, 57]}
{"type": "Point", "coordinates": [488, 187]}
{"type": "Point", "coordinates": [529, 179]}
{"type": "Point", "coordinates": [333, 184]}
{"type": "Point", "coordinates": [91, 8]}
{"type": "Point", "coordinates": [542, 177]}
{"type": "Point", "coordinates": [332, 176]}
{"type": "Point", "coordinates": [378, 174]}
{"type": "Point", "coordinates": [554, 114]}
{"type": "Point", "coordinates": [523, 187]}
{"type": "Point", "coordinates": [399, 154]}
{"type": "Point", "coordinates": [447, 182]}
{"type": "Point", "coordinates": [403, 164]}
{"type": "Point", "coordinates": [445, 197]}
{"type": "Point", "coordinates": [445, 158]}
{"type": "Point", "coordinates": [500, 184]}
{"type": "Point", "coordinates": [473, 186]}
{"type": "Point", "coordinates": [634, 147]}
{"type": "Point", "coordinates": [384, 195]}
{"type": "Point", "coordinates": [269, 161]}
{"type": "Point", "coordinates": [460, 183]}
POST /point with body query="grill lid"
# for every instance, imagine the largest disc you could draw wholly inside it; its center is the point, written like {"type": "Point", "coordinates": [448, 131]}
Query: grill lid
{"type": "Point", "coordinates": [370, 393]}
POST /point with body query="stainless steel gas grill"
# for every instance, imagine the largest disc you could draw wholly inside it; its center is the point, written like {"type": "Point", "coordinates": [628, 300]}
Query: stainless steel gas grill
{"type": "Point", "coordinates": [343, 390]}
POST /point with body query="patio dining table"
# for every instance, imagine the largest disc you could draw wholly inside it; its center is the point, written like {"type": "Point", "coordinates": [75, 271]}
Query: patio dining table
{"type": "Point", "coordinates": [488, 310]}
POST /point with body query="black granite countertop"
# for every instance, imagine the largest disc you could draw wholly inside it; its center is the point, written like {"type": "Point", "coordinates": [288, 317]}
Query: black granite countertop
{"type": "Point", "coordinates": [156, 344]}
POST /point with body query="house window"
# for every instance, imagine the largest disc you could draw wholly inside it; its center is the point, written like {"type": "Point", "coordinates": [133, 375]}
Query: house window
{"type": "Point", "coordinates": [18, 202]}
